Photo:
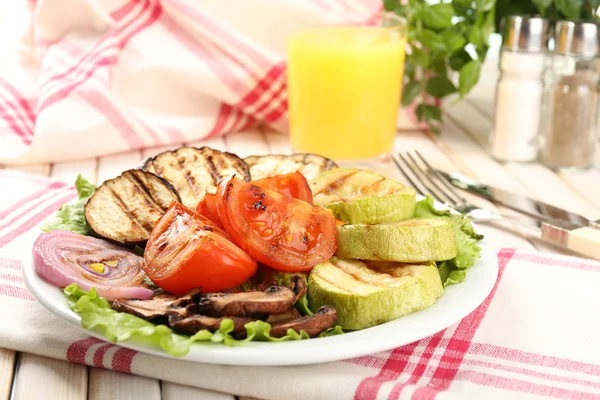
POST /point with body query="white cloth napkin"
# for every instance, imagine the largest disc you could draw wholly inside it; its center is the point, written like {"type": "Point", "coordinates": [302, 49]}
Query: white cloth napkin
{"type": "Point", "coordinates": [535, 336]}
{"type": "Point", "coordinates": [94, 77]}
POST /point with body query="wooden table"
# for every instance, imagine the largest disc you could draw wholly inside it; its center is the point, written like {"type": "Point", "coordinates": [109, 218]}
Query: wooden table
{"type": "Point", "coordinates": [461, 147]}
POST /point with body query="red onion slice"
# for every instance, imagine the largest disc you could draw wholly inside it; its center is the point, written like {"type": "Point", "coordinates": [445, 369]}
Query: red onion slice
{"type": "Point", "coordinates": [62, 258]}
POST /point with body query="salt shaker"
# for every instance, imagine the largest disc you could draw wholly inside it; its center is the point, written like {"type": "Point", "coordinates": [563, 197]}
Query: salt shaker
{"type": "Point", "coordinates": [520, 89]}
{"type": "Point", "coordinates": [572, 98]}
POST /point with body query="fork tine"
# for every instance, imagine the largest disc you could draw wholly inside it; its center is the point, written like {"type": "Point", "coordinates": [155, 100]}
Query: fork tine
{"type": "Point", "coordinates": [450, 189]}
{"type": "Point", "coordinates": [431, 183]}
{"type": "Point", "coordinates": [418, 176]}
{"type": "Point", "coordinates": [406, 175]}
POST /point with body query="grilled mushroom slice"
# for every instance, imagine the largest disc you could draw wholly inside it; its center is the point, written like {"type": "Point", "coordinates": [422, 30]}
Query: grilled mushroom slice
{"type": "Point", "coordinates": [309, 165]}
{"type": "Point", "coordinates": [159, 308]}
{"type": "Point", "coordinates": [288, 315]}
{"type": "Point", "coordinates": [313, 325]}
{"type": "Point", "coordinates": [125, 209]}
{"type": "Point", "coordinates": [298, 286]}
{"type": "Point", "coordinates": [195, 323]}
{"type": "Point", "coordinates": [196, 171]}
{"type": "Point", "coordinates": [273, 300]}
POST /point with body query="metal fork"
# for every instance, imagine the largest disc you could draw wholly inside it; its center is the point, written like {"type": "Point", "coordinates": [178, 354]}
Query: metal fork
{"type": "Point", "coordinates": [416, 169]}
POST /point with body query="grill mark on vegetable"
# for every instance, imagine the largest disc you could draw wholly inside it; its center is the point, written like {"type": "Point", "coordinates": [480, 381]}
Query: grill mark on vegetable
{"type": "Point", "coordinates": [228, 191]}
{"type": "Point", "coordinates": [132, 216]}
{"type": "Point", "coordinates": [334, 284]}
{"type": "Point", "coordinates": [191, 181]}
{"type": "Point", "coordinates": [333, 186]}
{"type": "Point", "coordinates": [375, 186]}
{"type": "Point", "coordinates": [383, 282]}
{"type": "Point", "coordinates": [137, 182]}
{"type": "Point", "coordinates": [212, 169]}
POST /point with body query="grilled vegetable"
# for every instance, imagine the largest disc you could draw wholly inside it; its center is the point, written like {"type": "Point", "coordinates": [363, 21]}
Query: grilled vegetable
{"type": "Point", "coordinates": [196, 171]}
{"type": "Point", "coordinates": [362, 197]}
{"type": "Point", "coordinates": [184, 252]}
{"type": "Point", "coordinates": [125, 209]}
{"type": "Point", "coordinates": [309, 165]}
{"type": "Point", "coordinates": [413, 240]}
{"type": "Point", "coordinates": [160, 306]}
{"type": "Point", "coordinates": [288, 315]}
{"type": "Point", "coordinates": [370, 293]}
{"type": "Point", "coordinates": [273, 300]}
{"type": "Point", "coordinates": [292, 185]}
{"type": "Point", "coordinates": [313, 325]}
{"type": "Point", "coordinates": [63, 258]}
{"type": "Point", "coordinates": [208, 208]}
{"type": "Point", "coordinates": [279, 231]}
{"type": "Point", "coordinates": [195, 323]}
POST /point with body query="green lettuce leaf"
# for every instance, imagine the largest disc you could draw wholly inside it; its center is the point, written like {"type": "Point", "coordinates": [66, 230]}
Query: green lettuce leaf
{"type": "Point", "coordinates": [70, 217]}
{"type": "Point", "coordinates": [453, 271]}
{"type": "Point", "coordinates": [97, 315]}
{"type": "Point", "coordinates": [334, 330]}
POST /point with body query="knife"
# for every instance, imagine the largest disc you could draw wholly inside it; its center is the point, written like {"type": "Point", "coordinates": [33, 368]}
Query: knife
{"type": "Point", "coordinates": [520, 203]}
{"type": "Point", "coordinates": [558, 226]}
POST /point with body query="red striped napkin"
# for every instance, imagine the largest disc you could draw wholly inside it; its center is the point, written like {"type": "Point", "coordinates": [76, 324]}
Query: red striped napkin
{"type": "Point", "coordinates": [535, 336]}
{"type": "Point", "coordinates": [98, 77]}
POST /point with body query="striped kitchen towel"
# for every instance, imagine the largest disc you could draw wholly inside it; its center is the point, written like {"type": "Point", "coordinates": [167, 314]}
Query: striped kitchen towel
{"type": "Point", "coordinates": [94, 77]}
{"type": "Point", "coordinates": [535, 336]}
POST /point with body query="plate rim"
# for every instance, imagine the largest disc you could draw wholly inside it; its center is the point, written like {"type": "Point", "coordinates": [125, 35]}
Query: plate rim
{"type": "Point", "coordinates": [253, 353]}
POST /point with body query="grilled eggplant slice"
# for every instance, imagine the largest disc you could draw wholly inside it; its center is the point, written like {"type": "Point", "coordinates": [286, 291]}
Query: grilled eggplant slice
{"type": "Point", "coordinates": [125, 209]}
{"type": "Point", "coordinates": [196, 171]}
{"type": "Point", "coordinates": [309, 165]}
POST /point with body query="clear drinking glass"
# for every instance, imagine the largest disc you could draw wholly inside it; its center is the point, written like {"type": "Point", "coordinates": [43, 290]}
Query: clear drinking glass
{"type": "Point", "coordinates": [344, 87]}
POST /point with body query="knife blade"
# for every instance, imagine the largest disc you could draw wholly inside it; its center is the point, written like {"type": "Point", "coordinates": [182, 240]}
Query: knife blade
{"type": "Point", "coordinates": [520, 203]}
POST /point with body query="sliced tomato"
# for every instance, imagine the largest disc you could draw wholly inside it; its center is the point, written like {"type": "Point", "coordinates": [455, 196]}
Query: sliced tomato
{"type": "Point", "coordinates": [209, 224]}
{"type": "Point", "coordinates": [208, 207]}
{"type": "Point", "coordinates": [279, 231]}
{"type": "Point", "coordinates": [292, 185]}
{"type": "Point", "coordinates": [185, 252]}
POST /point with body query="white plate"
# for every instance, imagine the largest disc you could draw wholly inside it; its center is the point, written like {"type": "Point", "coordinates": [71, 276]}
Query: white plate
{"type": "Point", "coordinates": [456, 303]}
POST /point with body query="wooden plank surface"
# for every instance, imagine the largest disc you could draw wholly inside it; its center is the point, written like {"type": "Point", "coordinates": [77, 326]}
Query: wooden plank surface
{"type": "Point", "coordinates": [68, 171]}
{"type": "Point", "coordinates": [172, 391]}
{"type": "Point", "coordinates": [7, 366]}
{"type": "Point", "coordinates": [48, 379]}
{"type": "Point", "coordinates": [104, 384]}
{"type": "Point", "coordinates": [539, 181]}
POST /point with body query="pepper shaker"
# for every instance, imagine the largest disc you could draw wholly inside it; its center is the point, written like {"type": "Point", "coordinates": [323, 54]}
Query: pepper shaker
{"type": "Point", "coordinates": [520, 89]}
{"type": "Point", "coordinates": [573, 97]}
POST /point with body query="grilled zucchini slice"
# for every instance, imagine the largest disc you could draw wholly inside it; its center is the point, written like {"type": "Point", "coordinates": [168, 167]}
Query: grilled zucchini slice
{"type": "Point", "coordinates": [309, 165]}
{"type": "Point", "coordinates": [411, 240]}
{"type": "Point", "coordinates": [125, 209]}
{"type": "Point", "coordinates": [196, 171]}
{"type": "Point", "coordinates": [369, 293]}
{"type": "Point", "coordinates": [361, 197]}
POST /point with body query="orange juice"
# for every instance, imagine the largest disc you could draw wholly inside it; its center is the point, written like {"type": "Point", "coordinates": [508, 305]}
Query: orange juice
{"type": "Point", "coordinates": [344, 87]}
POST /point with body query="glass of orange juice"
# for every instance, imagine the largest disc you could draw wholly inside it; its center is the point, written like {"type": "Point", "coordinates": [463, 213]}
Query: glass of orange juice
{"type": "Point", "coordinates": [344, 88]}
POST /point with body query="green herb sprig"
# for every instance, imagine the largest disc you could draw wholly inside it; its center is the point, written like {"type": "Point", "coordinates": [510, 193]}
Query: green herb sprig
{"type": "Point", "coordinates": [448, 43]}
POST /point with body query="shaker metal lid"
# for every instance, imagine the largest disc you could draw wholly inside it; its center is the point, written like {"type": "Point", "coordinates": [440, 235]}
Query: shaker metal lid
{"type": "Point", "coordinates": [528, 33]}
{"type": "Point", "coordinates": [577, 38]}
